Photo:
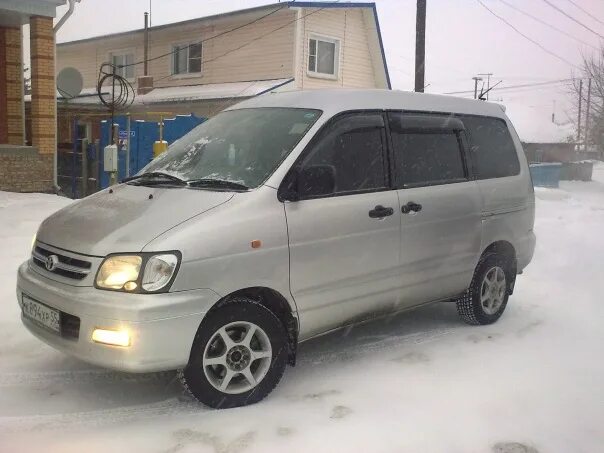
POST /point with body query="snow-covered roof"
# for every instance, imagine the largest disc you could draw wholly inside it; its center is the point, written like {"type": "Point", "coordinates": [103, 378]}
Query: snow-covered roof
{"type": "Point", "coordinates": [87, 96]}
{"type": "Point", "coordinates": [535, 126]}
{"type": "Point", "coordinates": [188, 93]}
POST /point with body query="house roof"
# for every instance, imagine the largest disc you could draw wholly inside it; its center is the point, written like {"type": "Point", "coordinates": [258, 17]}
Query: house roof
{"type": "Point", "coordinates": [288, 4]}
{"type": "Point", "coordinates": [188, 93]}
{"type": "Point", "coordinates": [17, 12]}
{"type": "Point", "coordinates": [191, 93]}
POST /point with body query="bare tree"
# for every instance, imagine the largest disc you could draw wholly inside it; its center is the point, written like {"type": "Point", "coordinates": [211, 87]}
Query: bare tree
{"type": "Point", "coordinates": [592, 67]}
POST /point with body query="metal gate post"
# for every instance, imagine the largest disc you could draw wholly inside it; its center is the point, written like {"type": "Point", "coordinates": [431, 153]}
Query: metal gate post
{"type": "Point", "coordinates": [73, 158]}
{"type": "Point", "coordinates": [84, 167]}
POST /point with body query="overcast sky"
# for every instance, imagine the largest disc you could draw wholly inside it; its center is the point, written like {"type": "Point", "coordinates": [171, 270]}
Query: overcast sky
{"type": "Point", "coordinates": [462, 39]}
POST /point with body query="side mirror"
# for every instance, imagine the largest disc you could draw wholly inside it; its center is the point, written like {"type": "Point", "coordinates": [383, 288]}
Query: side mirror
{"type": "Point", "coordinates": [316, 180]}
{"type": "Point", "coordinates": [310, 182]}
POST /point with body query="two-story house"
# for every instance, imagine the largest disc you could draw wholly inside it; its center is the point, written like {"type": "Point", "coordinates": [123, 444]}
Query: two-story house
{"type": "Point", "coordinates": [202, 65]}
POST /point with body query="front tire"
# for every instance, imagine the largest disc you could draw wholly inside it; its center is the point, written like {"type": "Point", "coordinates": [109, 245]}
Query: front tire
{"type": "Point", "coordinates": [486, 299]}
{"type": "Point", "coordinates": [238, 356]}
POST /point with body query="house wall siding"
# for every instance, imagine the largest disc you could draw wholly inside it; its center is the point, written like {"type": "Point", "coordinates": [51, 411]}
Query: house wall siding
{"type": "Point", "coordinates": [348, 25]}
{"type": "Point", "coordinates": [267, 57]}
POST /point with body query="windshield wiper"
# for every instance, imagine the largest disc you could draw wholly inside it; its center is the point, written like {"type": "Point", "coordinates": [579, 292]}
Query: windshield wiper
{"type": "Point", "coordinates": [156, 177]}
{"type": "Point", "coordinates": [221, 183]}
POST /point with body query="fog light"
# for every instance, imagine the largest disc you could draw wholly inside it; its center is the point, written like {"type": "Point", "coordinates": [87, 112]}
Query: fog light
{"type": "Point", "coordinates": [112, 337]}
{"type": "Point", "coordinates": [130, 286]}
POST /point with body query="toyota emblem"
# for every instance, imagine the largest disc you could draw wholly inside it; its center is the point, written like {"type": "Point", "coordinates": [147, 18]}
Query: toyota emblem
{"type": "Point", "coordinates": [51, 262]}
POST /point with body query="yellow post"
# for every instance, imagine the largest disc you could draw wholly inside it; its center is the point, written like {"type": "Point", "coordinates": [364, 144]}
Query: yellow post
{"type": "Point", "coordinates": [161, 145]}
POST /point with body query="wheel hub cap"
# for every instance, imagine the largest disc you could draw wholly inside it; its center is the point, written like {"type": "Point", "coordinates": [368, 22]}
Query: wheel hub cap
{"type": "Point", "coordinates": [238, 358]}
{"type": "Point", "coordinates": [493, 290]}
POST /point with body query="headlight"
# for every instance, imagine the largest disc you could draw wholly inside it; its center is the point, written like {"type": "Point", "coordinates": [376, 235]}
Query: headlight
{"type": "Point", "coordinates": [158, 271]}
{"type": "Point", "coordinates": [145, 272]}
{"type": "Point", "coordinates": [33, 242]}
{"type": "Point", "coordinates": [118, 270]}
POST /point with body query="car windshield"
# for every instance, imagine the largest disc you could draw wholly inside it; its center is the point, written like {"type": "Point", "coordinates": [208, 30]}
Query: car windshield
{"type": "Point", "coordinates": [239, 146]}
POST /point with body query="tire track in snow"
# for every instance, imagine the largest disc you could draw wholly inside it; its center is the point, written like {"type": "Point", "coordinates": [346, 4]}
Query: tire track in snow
{"type": "Point", "coordinates": [374, 343]}
{"type": "Point", "coordinates": [80, 376]}
{"type": "Point", "coordinates": [95, 418]}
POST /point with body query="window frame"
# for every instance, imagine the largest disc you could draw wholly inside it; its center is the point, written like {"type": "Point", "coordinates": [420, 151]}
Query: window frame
{"type": "Point", "coordinates": [336, 63]}
{"type": "Point", "coordinates": [184, 75]}
{"type": "Point", "coordinates": [285, 186]}
{"type": "Point", "coordinates": [123, 53]}
{"type": "Point", "coordinates": [469, 144]}
{"type": "Point", "coordinates": [462, 141]}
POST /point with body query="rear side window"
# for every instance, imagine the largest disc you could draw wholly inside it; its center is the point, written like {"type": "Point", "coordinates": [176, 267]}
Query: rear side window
{"type": "Point", "coordinates": [492, 147]}
{"type": "Point", "coordinates": [425, 154]}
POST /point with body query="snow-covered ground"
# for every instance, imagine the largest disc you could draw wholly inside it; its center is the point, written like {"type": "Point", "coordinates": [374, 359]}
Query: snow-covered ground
{"type": "Point", "coordinates": [420, 381]}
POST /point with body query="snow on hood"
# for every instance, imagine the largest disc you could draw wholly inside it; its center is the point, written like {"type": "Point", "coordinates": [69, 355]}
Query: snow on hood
{"type": "Point", "coordinates": [125, 220]}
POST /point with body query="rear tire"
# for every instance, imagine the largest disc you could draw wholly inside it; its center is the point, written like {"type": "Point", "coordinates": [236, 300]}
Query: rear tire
{"type": "Point", "coordinates": [238, 356]}
{"type": "Point", "coordinates": [486, 298]}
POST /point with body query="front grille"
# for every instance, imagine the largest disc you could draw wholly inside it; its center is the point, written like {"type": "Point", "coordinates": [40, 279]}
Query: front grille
{"type": "Point", "coordinates": [70, 326]}
{"type": "Point", "coordinates": [64, 265]}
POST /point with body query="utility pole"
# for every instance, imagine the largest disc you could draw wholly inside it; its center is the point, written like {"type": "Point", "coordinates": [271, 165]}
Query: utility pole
{"type": "Point", "coordinates": [420, 46]}
{"type": "Point", "coordinates": [146, 45]}
{"type": "Point", "coordinates": [476, 79]}
{"type": "Point", "coordinates": [579, 118]}
{"type": "Point", "coordinates": [488, 74]}
{"type": "Point", "coordinates": [587, 112]}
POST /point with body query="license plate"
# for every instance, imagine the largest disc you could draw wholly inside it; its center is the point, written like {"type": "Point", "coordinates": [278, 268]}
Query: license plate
{"type": "Point", "coordinates": [41, 314]}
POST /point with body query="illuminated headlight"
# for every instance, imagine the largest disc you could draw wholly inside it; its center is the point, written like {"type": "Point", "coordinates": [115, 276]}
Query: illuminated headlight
{"type": "Point", "coordinates": [146, 272]}
{"type": "Point", "coordinates": [159, 271]}
{"type": "Point", "coordinates": [118, 270]}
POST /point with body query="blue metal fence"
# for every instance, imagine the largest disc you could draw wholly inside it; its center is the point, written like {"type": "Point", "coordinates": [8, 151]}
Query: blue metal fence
{"type": "Point", "coordinates": [142, 136]}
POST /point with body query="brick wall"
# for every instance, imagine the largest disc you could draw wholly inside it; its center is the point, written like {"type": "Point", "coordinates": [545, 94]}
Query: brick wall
{"type": "Point", "coordinates": [43, 93]}
{"type": "Point", "coordinates": [24, 169]}
{"type": "Point", "coordinates": [11, 87]}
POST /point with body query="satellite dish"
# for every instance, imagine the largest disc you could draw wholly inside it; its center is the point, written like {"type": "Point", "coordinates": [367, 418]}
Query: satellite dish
{"type": "Point", "coordinates": [69, 82]}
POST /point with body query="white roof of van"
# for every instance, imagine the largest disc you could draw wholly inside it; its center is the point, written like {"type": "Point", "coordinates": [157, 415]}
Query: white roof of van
{"type": "Point", "coordinates": [333, 101]}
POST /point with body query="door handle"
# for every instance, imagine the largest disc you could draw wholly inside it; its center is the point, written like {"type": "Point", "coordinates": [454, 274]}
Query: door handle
{"type": "Point", "coordinates": [380, 212]}
{"type": "Point", "coordinates": [411, 206]}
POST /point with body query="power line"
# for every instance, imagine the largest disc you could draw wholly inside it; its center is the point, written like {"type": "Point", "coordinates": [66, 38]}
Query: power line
{"type": "Point", "coordinates": [247, 43]}
{"type": "Point", "coordinates": [525, 36]}
{"type": "Point", "coordinates": [561, 11]}
{"type": "Point", "coordinates": [525, 85]}
{"type": "Point", "coordinates": [546, 24]}
{"type": "Point", "coordinates": [586, 12]}
{"type": "Point", "coordinates": [239, 27]}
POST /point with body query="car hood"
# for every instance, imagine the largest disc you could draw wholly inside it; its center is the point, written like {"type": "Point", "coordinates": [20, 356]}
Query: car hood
{"type": "Point", "coordinates": [124, 218]}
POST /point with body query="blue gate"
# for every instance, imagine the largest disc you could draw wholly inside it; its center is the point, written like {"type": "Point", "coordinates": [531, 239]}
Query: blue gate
{"type": "Point", "coordinates": [142, 136]}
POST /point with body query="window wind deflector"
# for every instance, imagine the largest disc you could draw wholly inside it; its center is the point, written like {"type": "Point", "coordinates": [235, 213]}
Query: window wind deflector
{"type": "Point", "coordinates": [426, 123]}
{"type": "Point", "coordinates": [156, 177]}
{"type": "Point", "coordinates": [217, 183]}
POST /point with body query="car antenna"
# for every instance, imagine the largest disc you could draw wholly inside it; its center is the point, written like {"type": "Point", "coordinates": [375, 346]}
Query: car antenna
{"type": "Point", "coordinates": [483, 93]}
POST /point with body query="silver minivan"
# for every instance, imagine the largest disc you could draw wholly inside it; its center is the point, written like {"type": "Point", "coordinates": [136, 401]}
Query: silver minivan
{"type": "Point", "coordinates": [280, 219]}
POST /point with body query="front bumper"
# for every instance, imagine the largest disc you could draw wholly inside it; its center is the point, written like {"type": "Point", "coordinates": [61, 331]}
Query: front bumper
{"type": "Point", "coordinates": [161, 326]}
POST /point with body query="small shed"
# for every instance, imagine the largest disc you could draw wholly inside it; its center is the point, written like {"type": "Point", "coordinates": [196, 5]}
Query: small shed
{"type": "Point", "coordinates": [543, 140]}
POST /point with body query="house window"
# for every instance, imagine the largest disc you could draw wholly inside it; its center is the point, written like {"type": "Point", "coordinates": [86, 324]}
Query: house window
{"type": "Point", "coordinates": [123, 64]}
{"type": "Point", "coordinates": [323, 56]}
{"type": "Point", "coordinates": [187, 58]}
